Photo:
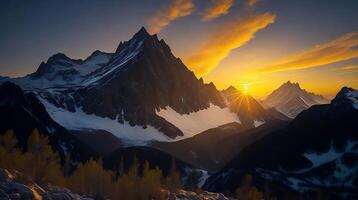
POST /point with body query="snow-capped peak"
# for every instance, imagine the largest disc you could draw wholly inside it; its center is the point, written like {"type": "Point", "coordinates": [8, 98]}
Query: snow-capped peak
{"type": "Point", "coordinates": [346, 96]}
{"type": "Point", "coordinates": [125, 53]}
{"type": "Point", "coordinates": [291, 99]}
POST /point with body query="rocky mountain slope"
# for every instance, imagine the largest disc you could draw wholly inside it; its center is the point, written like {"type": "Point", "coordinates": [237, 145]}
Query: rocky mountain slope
{"type": "Point", "coordinates": [290, 99]}
{"type": "Point", "coordinates": [317, 151]}
{"type": "Point", "coordinates": [214, 148]}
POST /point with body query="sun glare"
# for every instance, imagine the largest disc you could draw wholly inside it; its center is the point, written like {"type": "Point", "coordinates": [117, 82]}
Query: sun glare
{"type": "Point", "coordinates": [245, 88]}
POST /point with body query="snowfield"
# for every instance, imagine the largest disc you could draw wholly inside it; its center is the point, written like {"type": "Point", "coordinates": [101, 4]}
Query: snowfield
{"type": "Point", "coordinates": [258, 123]}
{"type": "Point", "coordinates": [197, 122]}
{"type": "Point", "coordinates": [191, 124]}
{"type": "Point", "coordinates": [79, 120]}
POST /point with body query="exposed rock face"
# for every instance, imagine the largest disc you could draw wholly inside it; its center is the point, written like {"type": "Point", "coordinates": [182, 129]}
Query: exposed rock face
{"type": "Point", "coordinates": [290, 99]}
{"type": "Point", "coordinates": [146, 76]}
{"type": "Point", "coordinates": [128, 86]}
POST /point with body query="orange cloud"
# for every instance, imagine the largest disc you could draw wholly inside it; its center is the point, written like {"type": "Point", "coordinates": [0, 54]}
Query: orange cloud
{"type": "Point", "coordinates": [252, 3]}
{"type": "Point", "coordinates": [178, 8]}
{"type": "Point", "coordinates": [340, 49]}
{"type": "Point", "coordinates": [229, 36]}
{"type": "Point", "coordinates": [217, 9]}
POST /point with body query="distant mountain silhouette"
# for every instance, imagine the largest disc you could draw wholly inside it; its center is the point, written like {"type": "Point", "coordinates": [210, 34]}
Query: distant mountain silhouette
{"type": "Point", "coordinates": [290, 99]}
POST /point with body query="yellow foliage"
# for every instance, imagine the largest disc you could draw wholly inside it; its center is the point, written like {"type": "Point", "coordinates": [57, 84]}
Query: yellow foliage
{"type": "Point", "coordinates": [11, 157]}
{"type": "Point", "coordinates": [42, 165]}
{"type": "Point", "coordinates": [44, 162]}
{"type": "Point", "coordinates": [248, 192]}
{"type": "Point", "coordinates": [90, 178]}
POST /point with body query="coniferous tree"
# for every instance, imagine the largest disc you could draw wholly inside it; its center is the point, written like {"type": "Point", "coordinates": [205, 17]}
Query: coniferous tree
{"type": "Point", "coordinates": [11, 157]}
{"type": "Point", "coordinates": [90, 178]}
{"type": "Point", "coordinates": [150, 183]}
{"type": "Point", "coordinates": [43, 163]}
{"type": "Point", "coordinates": [247, 191]}
{"type": "Point", "coordinates": [172, 181]}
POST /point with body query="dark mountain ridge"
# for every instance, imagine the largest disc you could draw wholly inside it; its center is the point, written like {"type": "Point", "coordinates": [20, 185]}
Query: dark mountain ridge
{"type": "Point", "coordinates": [318, 150]}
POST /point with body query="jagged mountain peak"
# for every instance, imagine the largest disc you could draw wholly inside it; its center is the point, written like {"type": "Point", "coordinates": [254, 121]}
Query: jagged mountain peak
{"type": "Point", "coordinates": [142, 33]}
{"type": "Point", "coordinates": [97, 53]}
{"type": "Point", "coordinates": [231, 89]}
{"type": "Point", "coordinates": [345, 90]}
{"type": "Point", "coordinates": [291, 99]}
{"type": "Point", "coordinates": [140, 39]}
{"type": "Point", "coordinates": [62, 56]}
{"type": "Point", "coordinates": [290, 85]}
{"type": "Point", "coordinates": [142, 47]}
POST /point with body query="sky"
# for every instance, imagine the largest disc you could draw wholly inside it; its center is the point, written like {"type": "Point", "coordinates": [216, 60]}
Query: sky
{"type": "Point", "coordinates": [252, 44]}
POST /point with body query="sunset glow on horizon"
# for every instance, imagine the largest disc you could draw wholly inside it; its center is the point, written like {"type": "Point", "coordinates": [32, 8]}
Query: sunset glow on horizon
{"type": "Point", "coordinates": [254, 46]}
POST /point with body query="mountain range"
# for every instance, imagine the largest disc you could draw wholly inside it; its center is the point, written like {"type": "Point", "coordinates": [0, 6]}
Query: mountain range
{"type": "Point", "coordinates": [142, 100]}
{"type": "Point", "coordinates": [106, 92]}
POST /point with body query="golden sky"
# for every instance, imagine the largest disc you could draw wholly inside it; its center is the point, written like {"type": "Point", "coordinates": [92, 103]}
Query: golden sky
{"type": "Point", "coordinates": [252, 44]}
{"type": "Point", "coordinates": [320, 66]}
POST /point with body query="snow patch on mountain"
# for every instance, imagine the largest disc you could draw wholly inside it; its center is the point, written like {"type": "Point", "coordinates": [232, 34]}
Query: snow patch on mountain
{"type": "Point", "coordinates": [318, 159]}
{"type": "Point", "coordinates": [353, 96]}
{"type": "Point", "coordinates": [303, 179]}
{"type": "Point", "coordinates": [197, 122]}
{"type": "Point", "coordinates": [258, 123]}
{"type": "Point", "coordinates": [79, 120]}
{"type": "Point", "coordinates": [94, 62]}
{"type": "Point", "coordinates": [204, 176]}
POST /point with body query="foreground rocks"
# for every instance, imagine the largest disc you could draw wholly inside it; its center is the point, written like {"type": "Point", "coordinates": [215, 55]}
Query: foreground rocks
{"type": "Point", "coordinates": [187, 195]}
{"type": "Point", "coordinates": [12, 187]}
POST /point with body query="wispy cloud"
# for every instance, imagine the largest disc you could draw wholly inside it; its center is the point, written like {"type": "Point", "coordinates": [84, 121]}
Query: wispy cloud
{"type": "Point", "coordinates": [340, 49]}
{"type": "Point", "coordinates": [177, 9]}
{"type": "Point", "coordinates": [229, 36]}
{"type": "Point", "coordinates": [347, 68]}
{"type": "Point", "coordinates": [217, 9]}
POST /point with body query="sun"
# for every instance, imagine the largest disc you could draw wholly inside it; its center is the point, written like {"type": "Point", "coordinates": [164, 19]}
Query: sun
{"type": "Point", "coordinates": [245, 88]}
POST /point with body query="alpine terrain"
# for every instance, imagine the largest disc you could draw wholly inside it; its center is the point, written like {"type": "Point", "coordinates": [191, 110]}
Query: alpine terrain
{"type": "Point", "coordinates": [290, 99]}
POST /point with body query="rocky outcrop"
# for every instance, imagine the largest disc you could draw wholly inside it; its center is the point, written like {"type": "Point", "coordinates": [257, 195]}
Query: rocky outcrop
{"type": "Point", "coordinates": [187, 195]}
{"type": "Point", "coordinates": [12, 187]}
